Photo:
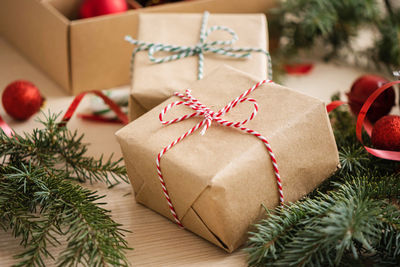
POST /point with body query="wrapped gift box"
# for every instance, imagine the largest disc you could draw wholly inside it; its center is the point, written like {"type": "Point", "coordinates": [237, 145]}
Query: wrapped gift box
{"type": "Point", "coordinates": [152, 83]}
{"type": "Point", "coordinates": [87, 54]}
{"type": "Point", "coordinates": [218, 181]}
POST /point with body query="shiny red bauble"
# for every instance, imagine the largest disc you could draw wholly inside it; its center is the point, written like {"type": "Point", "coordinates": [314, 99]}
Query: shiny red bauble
{"type": "Point", "coordinates": [93, 8]}
{"type": "Point", "coordinates": [21, 99]}
{"type": "Point", "coordinates": [386, 133]}
{"type": "Point", "coordinates": [86, 9]}
{"type": "Point", "coordinates": [362, 88]}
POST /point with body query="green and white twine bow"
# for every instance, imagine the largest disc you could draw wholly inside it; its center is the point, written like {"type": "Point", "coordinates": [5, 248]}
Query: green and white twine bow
{"type": "Point", "coordinates": [218, 47]}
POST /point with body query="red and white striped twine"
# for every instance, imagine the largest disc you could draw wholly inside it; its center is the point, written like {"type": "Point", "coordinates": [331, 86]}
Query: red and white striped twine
{"type": "Point", "coordinates": [209, 117]}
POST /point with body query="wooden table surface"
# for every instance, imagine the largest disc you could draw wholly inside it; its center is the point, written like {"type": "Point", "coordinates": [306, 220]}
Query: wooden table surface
{"type": "Point", "coordinates": [156, 241]}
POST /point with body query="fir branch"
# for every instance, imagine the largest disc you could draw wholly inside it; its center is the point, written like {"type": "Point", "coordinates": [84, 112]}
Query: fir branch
{"type": "Point", "coordinates": [40, 202]}
{"type": "Point", "coordinates": [343, 224]}
{"type": "Point", "coordinates": [335, 24]}
{"type": "Point", "coordinates": [57, 147]}
{"type": "Point", "coordinates": [351, 219]}
{"type": "Point", "coordinates": [36, 250]}
{"type": "Point", "coordinates": [351, 159]}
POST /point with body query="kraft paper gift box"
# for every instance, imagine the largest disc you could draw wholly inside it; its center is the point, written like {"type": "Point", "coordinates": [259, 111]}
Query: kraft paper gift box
{"type": "Point", "coordinates": [153, 83]}
{"type": "Point", "coordinates": [217, 182]}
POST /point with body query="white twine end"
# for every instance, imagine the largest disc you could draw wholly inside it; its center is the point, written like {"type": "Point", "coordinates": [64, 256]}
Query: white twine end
{"type": "Point", "coordinates": [204, 130]}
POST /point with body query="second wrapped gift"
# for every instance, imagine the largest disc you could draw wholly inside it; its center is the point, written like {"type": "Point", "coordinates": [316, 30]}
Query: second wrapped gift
{"type": "Point", "coordinates": [173, 50]}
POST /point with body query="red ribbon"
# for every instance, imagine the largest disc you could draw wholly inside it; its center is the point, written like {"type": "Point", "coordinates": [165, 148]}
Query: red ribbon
{"type": "Point", "coordinates": [385, 154]}
{"type": "Point", "coordinates": [6, 129]}
{"type": "Point", "coordinates": [113, 106]}
{"type": "Point", "coordinates": [299, 68]}
{"type": "Point", "coordinates": [363, 123]}
{"type": "Point", "coordinates": [72, 108]}
{"type": "Point", "coordinates": [333, 105]}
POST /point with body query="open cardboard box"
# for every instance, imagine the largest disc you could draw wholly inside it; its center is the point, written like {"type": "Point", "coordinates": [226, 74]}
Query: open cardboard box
{"type": "Point", "coordinates": [87, 54]}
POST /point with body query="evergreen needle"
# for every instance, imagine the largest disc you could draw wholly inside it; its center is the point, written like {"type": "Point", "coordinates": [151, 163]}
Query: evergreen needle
{"type": "Point", "coordinates": [41, 201]}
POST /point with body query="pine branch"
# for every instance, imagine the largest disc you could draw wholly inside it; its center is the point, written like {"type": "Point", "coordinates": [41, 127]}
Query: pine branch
{"type": "Point", "coordinates": [91, 233]}
{"type": "Point", "coordinates": [40, 202]}
{"type": "Point", "coordinates": [352, 219]}
{"type": "Point", "coordinates": [43, 235]}
{"type": "Point", "coordinates": [334, 24]}
{"type": "Point", "coordinates": [56, 147]}
{"type": "Point", "coordinates": [327, 228]}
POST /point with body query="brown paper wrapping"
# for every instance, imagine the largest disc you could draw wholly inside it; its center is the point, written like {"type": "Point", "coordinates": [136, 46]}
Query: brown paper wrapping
{"type": "Point", "coordinates": [218, 181]}
{"type": "Point", "coordinates": [153, 83]}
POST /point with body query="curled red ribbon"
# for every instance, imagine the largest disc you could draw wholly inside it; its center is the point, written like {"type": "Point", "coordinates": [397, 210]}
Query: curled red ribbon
{"type": "Point", "coordinates": [363, 123]}
{"type": "Point", "coordinates": [72, 108]}
{"type": "Point", "coordinates": [333, 105]}
{"type": "Point", "coordinates": [299, 68]}
{"type": "Point", "coordinates": [385, 154]}
{"type": "Point", "coordinates": [113, 106]}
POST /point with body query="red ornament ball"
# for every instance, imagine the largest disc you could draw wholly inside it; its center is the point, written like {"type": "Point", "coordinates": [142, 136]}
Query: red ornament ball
{"type": "Point", "coordinates": [386, 133]}
{"type": "Point", "coordinates": [93, 8]}
{"type": "Point", "coordinates": [86, 10]}
{"type": "Point", "coordinates": [21, 99]}
{"type": "Point", "coordinates": [362, 88]}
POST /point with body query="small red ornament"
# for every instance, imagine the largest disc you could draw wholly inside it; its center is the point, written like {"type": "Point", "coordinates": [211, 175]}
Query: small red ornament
{"type": "Point", "coordinates": [362, 88]}
{"type": "Point", "coordinates": [92, 8]}
{"type": "Point", "coordinates": [86, 10]}
{"type": "Point", "coordinates": [21, 99]}
{"type": "Point", "coordinates": [386, 133]}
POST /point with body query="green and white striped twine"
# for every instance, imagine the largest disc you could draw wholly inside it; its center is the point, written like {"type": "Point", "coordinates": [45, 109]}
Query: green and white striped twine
{"type": "Point", "coordinates": [217, 47]}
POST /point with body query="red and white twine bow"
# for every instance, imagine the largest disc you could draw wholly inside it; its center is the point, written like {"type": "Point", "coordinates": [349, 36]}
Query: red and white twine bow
{"type": "Point", "coordinates": [201, 110]}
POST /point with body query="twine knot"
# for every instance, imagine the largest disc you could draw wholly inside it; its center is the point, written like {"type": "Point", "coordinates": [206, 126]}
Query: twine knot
{"type": "Point", "coordinates": [201, 110]}
{"type": "Point", "coordinates": [217, 47]}
{"type": "Point", "coordinates": [198, 48]}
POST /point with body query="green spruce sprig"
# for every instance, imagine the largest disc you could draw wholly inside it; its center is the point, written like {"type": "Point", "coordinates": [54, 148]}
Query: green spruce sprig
{"type": "Point", "coordinates": [40, 199]}
{"type": "Point", "coordinates": [353, 219]}
{"type": "Point", "coordinates": [304, 23]}
{"type": "Point", "coordinates": [343, 227]}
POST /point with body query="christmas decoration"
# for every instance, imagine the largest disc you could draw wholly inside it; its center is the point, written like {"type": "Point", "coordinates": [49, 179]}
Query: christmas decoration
{"type": "Point", "coordinates": [334, 24]}
{"type": "Point", "coordinates": [299, 68]}
{"type": "Point", "coordinates": [41, 201]}
{"type": "Point", "coordinates": [159, 67]}
{"type": "Point", "coordinates": [386, 133]}
{"type": "Point", "coordinates": [21, 99]}
{"type": "Point", "coordinates": [100, 111]}
{"type": "Point", "coordinates": [92, 8]}
{"type": "Point", "coordinates": [362, 124]}
{"type": "Point", "coordinates": [351, 220]}
{"type": "Point", "coordinates": [362, 88]}
{"type": "Point", "coordinates": [209, 171]}
{"type": "Point", "coordinates": [86, 9]}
